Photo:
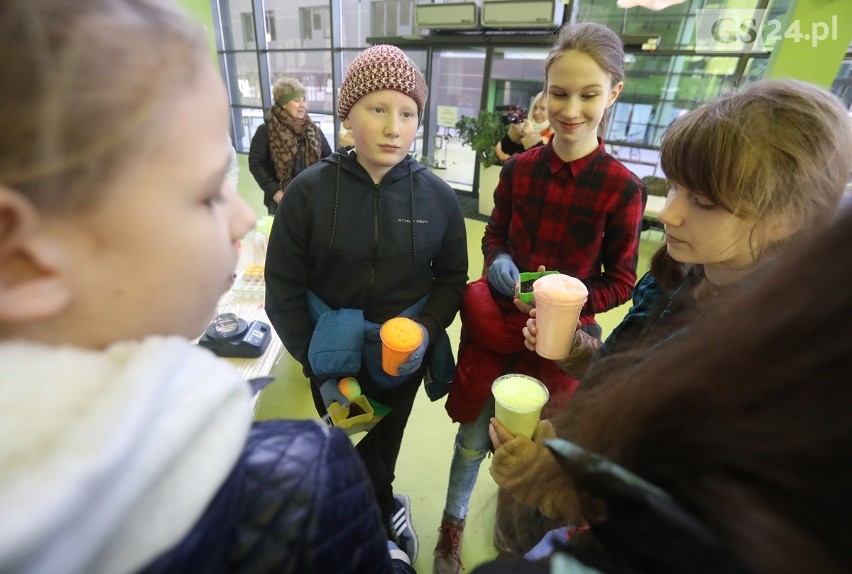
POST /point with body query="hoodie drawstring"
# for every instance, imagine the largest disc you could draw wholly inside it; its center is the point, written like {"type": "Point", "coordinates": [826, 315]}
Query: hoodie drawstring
{"type": "Point", "coordinates": [410, 208]}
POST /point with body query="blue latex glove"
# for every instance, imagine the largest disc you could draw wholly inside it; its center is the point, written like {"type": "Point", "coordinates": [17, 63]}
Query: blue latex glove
{"type": "Point", "coordinates": [330, 393]}
{"type": "Point", "coordinates": [503, 274]}
{"type": "Point", "coordinates": [416, 356]}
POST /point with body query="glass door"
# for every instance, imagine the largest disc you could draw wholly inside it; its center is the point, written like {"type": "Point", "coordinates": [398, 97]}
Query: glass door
{"type": "Point", "coordinates": [455, 91]}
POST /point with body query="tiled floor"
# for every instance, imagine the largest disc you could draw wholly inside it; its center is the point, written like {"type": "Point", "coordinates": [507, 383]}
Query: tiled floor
{"type": "Point", "coordinates": [423, 465]}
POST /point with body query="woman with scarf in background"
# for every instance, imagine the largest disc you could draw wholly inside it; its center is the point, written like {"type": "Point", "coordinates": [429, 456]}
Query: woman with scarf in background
{"type": "Point", "coordinates": [286, 143]}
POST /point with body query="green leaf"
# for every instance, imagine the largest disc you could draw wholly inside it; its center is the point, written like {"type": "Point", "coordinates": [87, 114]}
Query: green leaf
{"type": "Point", "coordinates": [482, 134]}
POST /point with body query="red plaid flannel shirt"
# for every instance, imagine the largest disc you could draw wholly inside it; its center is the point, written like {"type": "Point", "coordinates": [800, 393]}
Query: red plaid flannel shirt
{"type": "Point", "coordinates": [582, 218]}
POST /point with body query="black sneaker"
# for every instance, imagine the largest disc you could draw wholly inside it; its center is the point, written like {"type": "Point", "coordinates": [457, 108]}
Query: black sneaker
{"type": "Point", "coordinates": [402, 527]}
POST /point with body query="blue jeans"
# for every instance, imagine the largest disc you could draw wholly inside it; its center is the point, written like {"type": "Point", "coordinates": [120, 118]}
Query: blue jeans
{"type": "Point", "coordinates": [471, 445]}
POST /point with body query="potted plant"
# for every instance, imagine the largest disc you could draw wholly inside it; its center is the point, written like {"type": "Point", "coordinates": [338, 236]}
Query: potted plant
{"type": "Point", "coordinates": [482, 134]}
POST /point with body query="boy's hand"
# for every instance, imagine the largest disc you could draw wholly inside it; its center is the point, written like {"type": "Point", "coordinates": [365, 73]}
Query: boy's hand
{"type": "Point", "coordinates": [416, 357]}
{"type": "Point", "coordinates": [330, 394]}
{"type": "Point", "coordinates": [520, 305]}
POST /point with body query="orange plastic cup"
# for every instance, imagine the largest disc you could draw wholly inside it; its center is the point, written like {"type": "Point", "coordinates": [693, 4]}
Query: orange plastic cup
{"type": "Point", "coordinates": [400, 336]}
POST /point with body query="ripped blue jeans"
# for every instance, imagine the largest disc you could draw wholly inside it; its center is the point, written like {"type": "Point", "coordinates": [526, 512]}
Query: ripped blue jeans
{"type": "Point", "coordinates": [471, 445]}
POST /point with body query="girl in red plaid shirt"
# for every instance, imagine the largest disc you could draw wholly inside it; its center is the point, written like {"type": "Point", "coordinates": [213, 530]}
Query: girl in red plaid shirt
{"type": "Point", "coordinates": [567, 206]}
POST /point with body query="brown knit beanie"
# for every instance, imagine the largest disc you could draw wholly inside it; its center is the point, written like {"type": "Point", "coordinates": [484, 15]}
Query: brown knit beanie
{"type": "Point", "coordinates": [382, 67]}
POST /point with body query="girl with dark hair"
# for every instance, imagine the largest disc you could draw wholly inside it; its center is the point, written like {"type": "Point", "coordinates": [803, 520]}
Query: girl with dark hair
{"type": "Point", "coordinates": [750, 173]}
{"type": "Point", "coordinates": [731, 451]}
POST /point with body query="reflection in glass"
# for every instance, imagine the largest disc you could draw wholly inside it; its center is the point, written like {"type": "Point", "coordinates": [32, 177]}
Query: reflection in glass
{"type": "Point", "coordinates": [657, 89]}
{"type": "Point", "coordinates": [457, 83]}
{"type": "Point", "coordinates": [238, 30]}
{"type": "Point", "coordinates": [245, 122]}
{"type": "Point", "coordinates": [244, 79]}
{"type": "Point", "coordinates": [297, 24]}
{"type": "Point", "coordinates": [842, 85]}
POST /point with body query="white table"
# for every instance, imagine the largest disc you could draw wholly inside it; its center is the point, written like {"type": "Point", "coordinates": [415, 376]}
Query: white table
{"type": "Point", "coordinates": [248, 304]}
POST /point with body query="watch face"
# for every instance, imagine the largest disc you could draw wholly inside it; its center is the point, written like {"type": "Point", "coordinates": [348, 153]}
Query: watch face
{"type": "Point", "coordinates": [226, 324]}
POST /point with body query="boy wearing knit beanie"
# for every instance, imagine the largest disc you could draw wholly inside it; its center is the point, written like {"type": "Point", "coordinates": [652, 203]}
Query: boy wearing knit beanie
{"type": "Point", "coordinates": [383, 95]}
{"type": "Point", "coordinates": [366, 235]}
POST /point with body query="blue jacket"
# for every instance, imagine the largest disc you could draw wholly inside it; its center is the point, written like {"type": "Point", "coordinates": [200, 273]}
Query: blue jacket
{"type": "Point", "coordinates": [343, 340]}
{"type": "Point", "coordinates": [298, 501]}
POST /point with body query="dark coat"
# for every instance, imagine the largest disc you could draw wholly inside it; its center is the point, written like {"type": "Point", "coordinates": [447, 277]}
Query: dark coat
{"type": "Point", "coordinates": [379, 248]}
{"type": "Point", "coordinates": [298, 501]}
{"type": "Point", "coordinates": [262, 167]}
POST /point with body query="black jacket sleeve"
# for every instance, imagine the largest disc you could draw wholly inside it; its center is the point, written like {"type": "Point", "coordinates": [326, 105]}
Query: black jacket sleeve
{"type": "Point", "coordinates": [509, 147]}
{"type": "Point", "coordinates": [450, 266]}
{"type": "Point", "coordinates": [262, 167]}
{"type": "Point", "coordinates": [287, 275]}
{"type": "Point", "coordinates": [308, 493]}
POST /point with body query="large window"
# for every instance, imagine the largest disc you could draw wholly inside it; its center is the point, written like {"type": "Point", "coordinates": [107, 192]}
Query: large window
{"type": "Point", "coordinates": [315, 40]}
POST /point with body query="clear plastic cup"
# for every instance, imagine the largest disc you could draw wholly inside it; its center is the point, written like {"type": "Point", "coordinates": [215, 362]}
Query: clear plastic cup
{"type": "Point", "coordinates": [558, 301]}
{"type": "Point", "coordinates": [518, 400]}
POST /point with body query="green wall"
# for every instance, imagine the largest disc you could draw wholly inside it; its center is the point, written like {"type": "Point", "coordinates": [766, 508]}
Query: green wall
{"type": "Point", "coordinates": [246, 186]}
{"type": "Point", "coordinates": [202, 10]}
{"type": "Point", "coordinates": [804, 56]}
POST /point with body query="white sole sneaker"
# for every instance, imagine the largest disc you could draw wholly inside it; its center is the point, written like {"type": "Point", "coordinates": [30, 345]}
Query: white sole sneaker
{"type": "Point", "coordinates": [403, 528]}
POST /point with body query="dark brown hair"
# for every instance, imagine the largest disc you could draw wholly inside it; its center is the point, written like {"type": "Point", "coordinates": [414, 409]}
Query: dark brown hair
{"type": "Point", "coordinates": [747, 420]}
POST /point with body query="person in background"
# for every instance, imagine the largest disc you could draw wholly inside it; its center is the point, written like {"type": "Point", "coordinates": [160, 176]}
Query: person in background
{"type": "Point", "coordinates": [567, 206]}
{"type": "Point", "coordinates": [752, 174]}
{"type": "Point", "coordinates": [533, 131]}
{"type": "Point", "coordinates": [345, 139]}
{"type": "Point", "coordinates": [731, 451]}
{"type": "Point", "coordinates": [125, 447]}
{"type": "Point", "coordinates": [361, 237]}
{"type": "Point", "coordinates": [286, 143]}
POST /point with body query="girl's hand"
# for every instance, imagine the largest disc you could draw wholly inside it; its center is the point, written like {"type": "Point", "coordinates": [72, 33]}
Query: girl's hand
{"type": "Point", "coordinates": [501, 155]}
{"type": "Point", "coordinates": [498, 433]}
{"type": "Point", "coordinates": [516, 132]}
{"type": "Point", "coordinates": [530, 331]}
{"type": "Point", "coordinates": [522, 466]}
{"type": "Point", "coordinates": [520, 305]}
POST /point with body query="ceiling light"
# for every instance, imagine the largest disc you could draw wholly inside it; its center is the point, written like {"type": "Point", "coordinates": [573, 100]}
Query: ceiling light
{"type": "Point", "coordinates": [649, 4]}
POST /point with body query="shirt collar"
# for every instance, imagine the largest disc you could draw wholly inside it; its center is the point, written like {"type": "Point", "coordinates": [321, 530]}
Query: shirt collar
{"type": "Point", "coordinates": [555, 163]}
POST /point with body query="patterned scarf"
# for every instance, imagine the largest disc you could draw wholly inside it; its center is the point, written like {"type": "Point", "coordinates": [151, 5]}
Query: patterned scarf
{"type": "Point", "coordinates": [287, 135]}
